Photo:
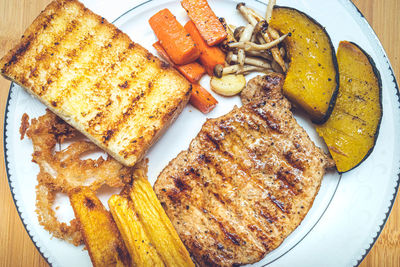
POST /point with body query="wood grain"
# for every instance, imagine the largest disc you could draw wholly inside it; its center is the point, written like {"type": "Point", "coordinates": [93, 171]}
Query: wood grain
{"type": "Point", "coordinates": [15, 245]}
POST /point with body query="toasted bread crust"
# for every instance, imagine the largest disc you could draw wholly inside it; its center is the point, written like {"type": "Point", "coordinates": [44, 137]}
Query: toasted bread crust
{"type": "Point", "coordinates": [93, 76]}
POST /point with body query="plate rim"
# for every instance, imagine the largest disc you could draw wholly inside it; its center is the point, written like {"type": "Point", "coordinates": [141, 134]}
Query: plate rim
{"type": "Point", "coordinates": [376, 235]}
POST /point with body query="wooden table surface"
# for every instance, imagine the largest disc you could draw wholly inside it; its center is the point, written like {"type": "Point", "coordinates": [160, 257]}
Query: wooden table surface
{"type": "Point", "coordinates": [15, 245]}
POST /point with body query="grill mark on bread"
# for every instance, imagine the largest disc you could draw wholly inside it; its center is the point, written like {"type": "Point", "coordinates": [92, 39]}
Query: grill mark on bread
{"type": "Point", "coordinates": [65, 86]}
{"type": "Point", "coordinates": [85, 44]}
{"type": "Point", "coordinates": [98, 84]}
{"type": "Point", "coordinates": [23, 48]}
{"type": "Point", "coordinates": [133, 101]}
{"type": "Point", "coordinates": [53, 70]}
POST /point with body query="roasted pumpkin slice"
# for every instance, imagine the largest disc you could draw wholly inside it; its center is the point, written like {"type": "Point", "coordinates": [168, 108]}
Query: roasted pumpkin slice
{"type": "Point", "coordinates": [352, 129]}
{"type": "Point", "coordinates": [312, 79]}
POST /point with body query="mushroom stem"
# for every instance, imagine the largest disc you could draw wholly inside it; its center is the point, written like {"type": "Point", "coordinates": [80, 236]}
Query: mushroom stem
{"type": "Point", "coordinates": [220, 71]}
{"type": "Point", "coordinates": [246, 14]}
{"type": "Point", "coordinates": [245, 37]}
{"type": "Point", "coordinates": [250, 61]}
{"type": "Point", "coordinates": [248, 46]}
{"type": "Point", "coordinates": [262, 54]}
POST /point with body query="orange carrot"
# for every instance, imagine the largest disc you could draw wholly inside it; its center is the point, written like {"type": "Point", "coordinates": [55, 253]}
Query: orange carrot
{"type": "Point", "coordinates": [210, 55]}
{"type": "Point", "coordinates": [205, 20]}
{"type": "Point", "coordinates": [202, 99]}
{"type": "Point", "coordinates": [192, 71]}
{"type": "Point", "coordinates": [173, 37]}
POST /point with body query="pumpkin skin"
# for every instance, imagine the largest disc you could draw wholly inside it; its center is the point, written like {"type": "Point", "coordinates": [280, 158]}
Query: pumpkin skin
{"type": "Point", "coordinates": [352, 130]}
{"type": "Point", "coordinates": [312, 80]}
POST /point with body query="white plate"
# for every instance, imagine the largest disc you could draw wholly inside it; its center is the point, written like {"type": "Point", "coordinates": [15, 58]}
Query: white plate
{"type": "Point", "coordinates": [349, 211]}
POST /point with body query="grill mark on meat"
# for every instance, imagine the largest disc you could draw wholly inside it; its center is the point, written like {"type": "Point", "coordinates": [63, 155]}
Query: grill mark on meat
{"type": "Point", "coordinates": [262, 201]}
{"type": "Point", "coordinates": [223, 199]}
{"type": "Point", "coordinates": [207, 214]}
{"type": "Point", "coordinates": [280, 205]}
{"type": "Point", "coordinates": [288, 180]}
{"type": "Point", "coordinates": [284, 176]}
{"type": "Point", "coordinates": [272, 122]}
{"type": "Point", "coordinates": [215, 142]}
{"type": "Point", "coordinates": [231, 236]}
{"type": "Point", "coordinates": [181, 184]}
{"type": "Point", "coordinates": [277, 203]}
{"type": "Point", "coordinates": [265, 214]}
{"type": "Point", "coordinates": [294, 161]}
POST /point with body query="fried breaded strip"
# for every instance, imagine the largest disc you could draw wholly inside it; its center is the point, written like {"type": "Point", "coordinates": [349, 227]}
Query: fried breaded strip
{"type": "Point", "coordinates": [99, 231]}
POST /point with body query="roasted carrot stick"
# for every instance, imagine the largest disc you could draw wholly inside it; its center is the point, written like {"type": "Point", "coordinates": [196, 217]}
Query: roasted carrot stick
{"type": "Point", "coordinates": [210, 55]}
{"type": "Point", "coordinates": [202, 99]}
{"type": "Point", "coordinates": [173, 37]}
{"type": "Point", "coordinates": [192, 71]}
{"type": "Point", "coordinates": [205, 20]}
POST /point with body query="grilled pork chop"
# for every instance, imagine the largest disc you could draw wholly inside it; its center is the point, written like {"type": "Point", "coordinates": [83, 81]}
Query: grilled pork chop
{"type": "Point", "coordinates": [246, 181]}
{"type": "Point", "coordinates": [95, 78]}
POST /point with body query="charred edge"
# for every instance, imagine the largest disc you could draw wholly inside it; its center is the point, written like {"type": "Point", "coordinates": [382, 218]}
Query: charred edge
{"type": "Point", "coordinates": [131, 45]}
{"type": "Point", "coordinates": [122, 253]}
{"type": "Point", "coordinates": [108, 135]}
{"type": "Point", "coordinates": [22, 50]}
{"type": "Point", "coordinates": [89, 203]}
{"type": "Point", "coordinates": [272, 122]}
{"type": "Point", "coordinates": [164, 65]}
{"type": "Point", "coordinates": [18, 54]}
{"type": "Point", "coordinates": [149, 56]}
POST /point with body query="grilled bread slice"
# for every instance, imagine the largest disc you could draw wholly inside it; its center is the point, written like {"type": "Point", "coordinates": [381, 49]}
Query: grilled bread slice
{"type": "Point", "coordinates": [94, 77]}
